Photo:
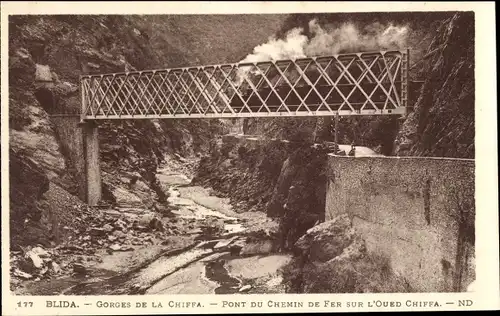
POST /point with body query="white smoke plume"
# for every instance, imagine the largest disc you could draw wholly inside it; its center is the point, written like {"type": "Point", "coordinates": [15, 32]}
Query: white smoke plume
{"type": "Point", "coordinates": [347, 38]}
{"type": "Point", "coordinates": [290, 47]}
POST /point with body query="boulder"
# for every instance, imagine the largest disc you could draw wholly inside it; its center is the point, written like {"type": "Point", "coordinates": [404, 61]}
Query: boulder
{"type": "Point", "coordinates": [115, 247]}
{"type": "Point", "coordinates": [108, 228]}
{"type": "Point", "coordinates": [42, 253]}
{"type": "Point", "coordinates": [94, 231]}
{"type": "Point", "coordinates": [328, 240]}
{"type": "Point", "coordinates": [79, 268]}
{"type": "Point", "coordinates": [356, 250]}
{"type": "Point", "coordinates": [56, 269]}
{"type": "Point", "coordinates": [34, 260]}
{"type": "Point", "coordinates": [120, 225]}
{"type": "Point", "coordinates": [43, 73]}
{"type": "Point", "coordinates": [146, 220]}
{"type": "Point", "coordinates": [119, 234]}
{"type": "Point", "coordinates": [156, 224]}
{"type": "Point", "coordinates": [22, 274]}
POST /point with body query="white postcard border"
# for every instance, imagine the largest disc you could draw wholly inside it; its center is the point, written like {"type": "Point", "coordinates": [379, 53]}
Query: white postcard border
{"type": "Point", "coordinates": [487, 296]}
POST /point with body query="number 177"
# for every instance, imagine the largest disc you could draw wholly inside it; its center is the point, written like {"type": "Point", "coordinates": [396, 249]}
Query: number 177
{"type": "Point", "coordinates": [25, 304]}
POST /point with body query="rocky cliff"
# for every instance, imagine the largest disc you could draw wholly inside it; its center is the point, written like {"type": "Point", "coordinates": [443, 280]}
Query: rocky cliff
{"type": "Point", "coordinates": [442, 121]}
{"type": "Point", "coordinates": [47, 54]}
{"type": "Point", "coordinates": [30, 186]}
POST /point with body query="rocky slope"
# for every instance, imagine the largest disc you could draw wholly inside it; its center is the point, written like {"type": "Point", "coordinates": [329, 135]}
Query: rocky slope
{"type": "Point", "coordinates": [47, 54]}
{"type": "Point", "coordinates": [283, 179]}
{"type": "Point", "coordinates": [25, 192]}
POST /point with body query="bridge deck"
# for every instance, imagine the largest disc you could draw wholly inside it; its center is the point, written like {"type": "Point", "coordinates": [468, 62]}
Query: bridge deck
{"type": "Point", "coordinates": [374, 83]}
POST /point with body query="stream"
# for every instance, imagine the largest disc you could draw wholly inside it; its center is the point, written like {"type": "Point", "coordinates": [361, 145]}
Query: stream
{"type": "Point", "coordinates": [222, 263]}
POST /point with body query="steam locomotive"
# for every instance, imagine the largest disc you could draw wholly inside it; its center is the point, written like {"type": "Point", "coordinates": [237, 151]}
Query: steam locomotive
{"type": "Point", "coordinates": [311, 97]}
{"type": "Point", "coordinates": [343, 90]}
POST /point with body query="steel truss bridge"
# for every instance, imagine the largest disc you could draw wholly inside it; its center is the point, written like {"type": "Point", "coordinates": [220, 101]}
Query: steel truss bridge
{"type": "Point", "coordinates": [371, 83]}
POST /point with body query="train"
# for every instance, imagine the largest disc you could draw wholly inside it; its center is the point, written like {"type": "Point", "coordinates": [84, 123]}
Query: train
{"type": "Point", "coordinates": [313, 98]}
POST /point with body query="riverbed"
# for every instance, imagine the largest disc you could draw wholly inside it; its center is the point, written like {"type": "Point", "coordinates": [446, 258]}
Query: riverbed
{"type": "Point", "coordinates": [220, 262]}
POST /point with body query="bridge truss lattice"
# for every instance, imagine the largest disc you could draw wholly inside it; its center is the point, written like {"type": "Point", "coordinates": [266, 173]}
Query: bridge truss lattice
{"type": "Point", "coordinates": [371, 83]}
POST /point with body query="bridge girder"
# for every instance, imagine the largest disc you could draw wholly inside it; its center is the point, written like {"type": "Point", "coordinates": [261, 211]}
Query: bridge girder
{"type": "Point", "coordinates": [371, 83]}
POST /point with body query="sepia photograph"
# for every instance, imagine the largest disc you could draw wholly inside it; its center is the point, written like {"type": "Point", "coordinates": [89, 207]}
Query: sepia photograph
{"type": "Point", "coordinates": [291, 153]}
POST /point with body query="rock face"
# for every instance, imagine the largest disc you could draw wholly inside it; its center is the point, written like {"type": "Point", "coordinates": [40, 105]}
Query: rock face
{"type": "Point", "coordinates": [30, 183]}
{"type": "Point", "coordinates": [31, 130]}
{"type": "Point", "coordinates": [46, 57]}
{"type": "Point", "coordinates": [442, 122]}
{"type": "Point", "coordinates": [299, 196]}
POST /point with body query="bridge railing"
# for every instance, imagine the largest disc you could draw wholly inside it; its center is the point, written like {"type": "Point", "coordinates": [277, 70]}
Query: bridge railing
{"type": "Point", "coordinates": [368, 83]}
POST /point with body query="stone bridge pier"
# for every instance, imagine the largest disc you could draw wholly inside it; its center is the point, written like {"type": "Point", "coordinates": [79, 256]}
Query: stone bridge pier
{"type": "Point", "coordinates": [92, 186]}
{"type": "Point", "coordinates": [79, 140]}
